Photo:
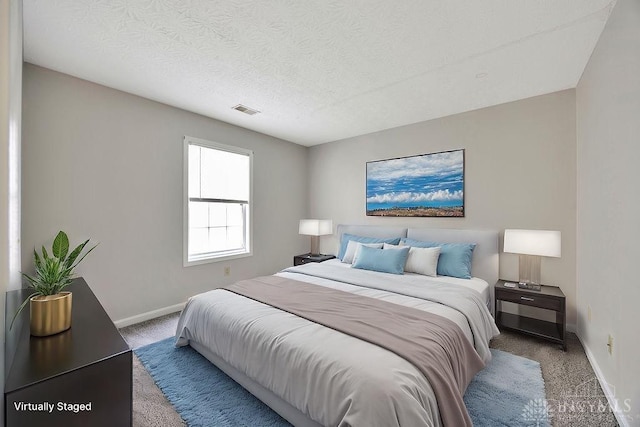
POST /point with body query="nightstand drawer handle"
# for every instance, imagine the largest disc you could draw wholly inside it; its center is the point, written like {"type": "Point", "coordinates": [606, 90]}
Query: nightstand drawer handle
{"type": "Point", "coordinates": [527, 299]}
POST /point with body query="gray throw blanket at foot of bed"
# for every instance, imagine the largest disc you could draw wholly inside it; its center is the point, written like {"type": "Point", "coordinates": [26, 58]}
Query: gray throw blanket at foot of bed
{"type": "Point", "coordinates": [435, 345]}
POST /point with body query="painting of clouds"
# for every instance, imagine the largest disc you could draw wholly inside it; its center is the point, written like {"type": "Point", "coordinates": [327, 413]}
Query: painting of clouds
{"type": "Point", "coordinates": [425, 185]}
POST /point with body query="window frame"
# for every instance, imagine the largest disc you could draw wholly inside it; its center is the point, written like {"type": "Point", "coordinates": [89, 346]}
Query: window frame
{"type": "Point", "coordinates": [222, 255]}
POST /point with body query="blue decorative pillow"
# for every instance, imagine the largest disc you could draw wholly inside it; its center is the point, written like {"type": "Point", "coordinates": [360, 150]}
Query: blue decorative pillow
{"type": "Point", "coordinates": [346, 237]}
{"type": "Point", "coordinates": [386, 261]}
{"type": "Point", "coordinates": [454, 260]}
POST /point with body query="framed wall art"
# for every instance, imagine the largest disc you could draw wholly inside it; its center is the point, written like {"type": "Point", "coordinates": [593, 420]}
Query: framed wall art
{"type": "Point", "coordinates": [427, 185]}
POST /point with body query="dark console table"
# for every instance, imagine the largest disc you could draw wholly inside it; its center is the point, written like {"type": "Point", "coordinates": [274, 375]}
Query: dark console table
{"type": "Point", "coordinates": [80, 377]}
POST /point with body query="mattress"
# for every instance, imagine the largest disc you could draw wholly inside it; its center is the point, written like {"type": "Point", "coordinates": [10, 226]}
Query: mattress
{"type": "Point", "coordinates": [330, 377]}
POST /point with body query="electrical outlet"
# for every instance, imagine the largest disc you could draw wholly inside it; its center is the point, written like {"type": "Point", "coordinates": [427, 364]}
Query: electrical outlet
{"type": "Point", "coordinates": [610, 344]}
{"type": "Point", "coordinates": [589, 313]}
{"type": "Point", "coordinates": [227, 271]}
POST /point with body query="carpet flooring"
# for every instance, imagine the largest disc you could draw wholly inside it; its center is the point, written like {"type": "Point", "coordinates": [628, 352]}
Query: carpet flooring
{"type": "Point", "coordinates": [563, 373]}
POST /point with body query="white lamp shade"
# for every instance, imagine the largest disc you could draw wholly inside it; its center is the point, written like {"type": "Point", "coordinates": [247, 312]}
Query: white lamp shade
{"type": "Point", "coordinates": [316, 227]}
{"type": "Point", "coordinates": [533, 242]}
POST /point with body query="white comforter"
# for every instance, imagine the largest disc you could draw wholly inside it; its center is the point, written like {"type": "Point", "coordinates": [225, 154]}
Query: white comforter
{"type": "Point", "coordinates": [336, 379]}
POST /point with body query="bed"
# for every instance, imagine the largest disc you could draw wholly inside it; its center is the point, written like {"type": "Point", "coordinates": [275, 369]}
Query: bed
{"type": "Point", "coordinates": [314, 375]}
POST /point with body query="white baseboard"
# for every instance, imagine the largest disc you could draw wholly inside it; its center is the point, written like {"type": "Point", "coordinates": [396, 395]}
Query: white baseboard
{"type": "Point", "coordinates": [610, 394]}
{"type": "Point", "coordinates": [148, 315]}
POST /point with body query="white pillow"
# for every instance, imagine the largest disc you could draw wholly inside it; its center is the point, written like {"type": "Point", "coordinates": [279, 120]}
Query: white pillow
{"type": "Point", "coordinates": [423, 261]}
{"type": "Point", "coordinates": [351, 253]}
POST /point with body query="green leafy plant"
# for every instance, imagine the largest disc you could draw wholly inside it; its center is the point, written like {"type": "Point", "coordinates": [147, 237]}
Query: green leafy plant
{"type": "Point", "coordinates": [53, 273]}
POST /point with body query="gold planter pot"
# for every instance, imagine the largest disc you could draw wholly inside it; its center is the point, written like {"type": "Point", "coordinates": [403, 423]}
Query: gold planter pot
{"type": "Point", "coordinates": [50, 314]}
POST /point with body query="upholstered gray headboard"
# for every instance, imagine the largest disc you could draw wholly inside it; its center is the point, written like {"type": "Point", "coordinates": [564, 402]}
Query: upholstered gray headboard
{"type": "Point", "coordinates": [485, 261]}
{"type": "Point", "coordinates": [371, 231]}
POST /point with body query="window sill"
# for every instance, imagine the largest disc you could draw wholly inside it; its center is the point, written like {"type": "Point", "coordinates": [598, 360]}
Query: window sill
{"type": "Point", "coordinates": [216, 258]}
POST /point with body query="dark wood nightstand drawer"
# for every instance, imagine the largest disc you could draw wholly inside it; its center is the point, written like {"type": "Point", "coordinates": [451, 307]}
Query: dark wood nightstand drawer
{"type": "Point", "coordinates": [541, 301]}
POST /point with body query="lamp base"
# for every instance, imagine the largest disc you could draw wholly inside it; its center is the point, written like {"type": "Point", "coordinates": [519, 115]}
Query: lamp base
{"type": "Point", "coordinates": [317, 257]}
{"type": "Point", "coordinates": [530, 286]}
{"type": "Point", "coordinates": [315, 246]}
{"type": "Point", "coordinates": [529, 269]}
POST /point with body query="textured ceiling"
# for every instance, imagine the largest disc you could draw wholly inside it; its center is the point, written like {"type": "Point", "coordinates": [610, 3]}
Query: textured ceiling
{"type": "Point", "coordinates": [319, 70]}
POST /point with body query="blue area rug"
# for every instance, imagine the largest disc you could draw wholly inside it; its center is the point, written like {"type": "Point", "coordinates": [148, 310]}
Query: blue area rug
{"type": "Point", "coordinates": [508, 392]}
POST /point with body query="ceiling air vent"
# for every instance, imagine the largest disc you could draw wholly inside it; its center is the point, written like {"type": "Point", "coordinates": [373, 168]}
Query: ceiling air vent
{"type": "Point", "coordinates": [245, 109]}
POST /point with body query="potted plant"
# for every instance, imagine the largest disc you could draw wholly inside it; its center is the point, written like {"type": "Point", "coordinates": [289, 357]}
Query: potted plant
{"type": "Point", "coordinates": [50, 305]}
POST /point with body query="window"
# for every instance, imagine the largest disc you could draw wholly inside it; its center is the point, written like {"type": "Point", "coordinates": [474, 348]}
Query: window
{"type": "Point", "coordinates": [217, 205]}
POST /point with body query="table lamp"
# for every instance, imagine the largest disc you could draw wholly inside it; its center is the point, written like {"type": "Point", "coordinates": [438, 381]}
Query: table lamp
{"type": "Point", "coordinates": [315, 228]}
{"type": "Point", "coordinates": [531, 245]}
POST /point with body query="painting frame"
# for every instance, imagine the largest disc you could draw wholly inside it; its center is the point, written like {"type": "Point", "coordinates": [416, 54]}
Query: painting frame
{"type": "Point", "coordinates": [428, 185]}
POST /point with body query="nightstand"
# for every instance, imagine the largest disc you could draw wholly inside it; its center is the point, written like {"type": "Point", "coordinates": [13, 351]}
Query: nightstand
{"type": "Point", "coordinates": [548, 298]}
{"type": "Point", "coordinates": [307, 258]}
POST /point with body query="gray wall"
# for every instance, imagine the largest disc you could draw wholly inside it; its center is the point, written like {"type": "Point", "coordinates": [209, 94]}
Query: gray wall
{"type": "Point", "coordinates": [105, 164]}
{"type": "Point", "coordinates": [608, 147]}
{"type": "Point", "coordinates": [520, 171]}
